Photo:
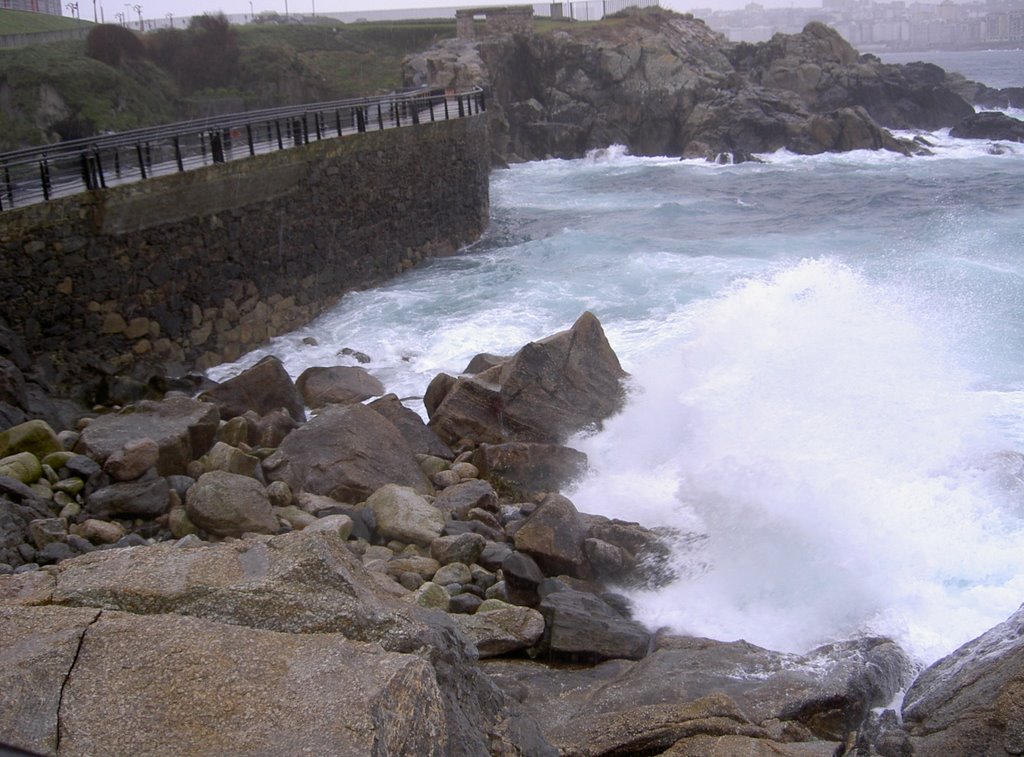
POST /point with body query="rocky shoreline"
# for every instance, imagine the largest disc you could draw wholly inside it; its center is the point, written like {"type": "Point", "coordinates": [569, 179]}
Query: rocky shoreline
{"type": "Point", "coordinates": [663, 83]}
{"type": "Point", "coordinates": [217, 572]}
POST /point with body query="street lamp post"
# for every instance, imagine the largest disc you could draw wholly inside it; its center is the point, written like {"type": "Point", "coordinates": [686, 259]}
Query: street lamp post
{"type": "Point", "coordinates": [138, 9]}
{"type": "Point", "coordinates": [252, 13]}
{"type": "Point", "coordinates": [170, 17]}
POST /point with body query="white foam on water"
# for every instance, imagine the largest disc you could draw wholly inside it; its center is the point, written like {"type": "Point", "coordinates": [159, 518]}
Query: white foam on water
{"type": "Point", "coordinates": [816, 428]}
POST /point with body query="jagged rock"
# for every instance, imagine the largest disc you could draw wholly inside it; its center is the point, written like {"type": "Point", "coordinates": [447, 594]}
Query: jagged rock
{"type": "Point", "coordinates": [553, 536]}
{"type": "Point", "coordinates": [228, 504]}
{"type": "Point", "coordinates": [989, 125]}
{"type": "Point", "coordinates": [579, 625]}
{"type": "Point", "coordinates": [646, 553]}
{"type": "Point", "coordinates": [132, 460]}
{"type": "Point", "coordinates": [337, 385]}
{"type": "Point", "coordinates": [263, 388]}
{"type": "Point", "coordinates": [528, 467]}
{"type": "Point", "coordinates": [337, 523]}
{"type": "Point", "coordinates": [522, 579]}
{"type": "Point", "coordinates": [972, 701]}
{"type": "Point", "coordinates": [420, 438]}
{"type": "Point", "coordinates": [182, 428]}
{"type": "Point", "coordinates": [402, 514]}
{"type": "Point", "coordinates": [546, 392]}
{"type": "Point", "coordinates": [498, 628]}
{"type": "Point", "coordinates": [270, 429]}
{"type": "Point", "coordinates": [462, 497]}
{"type": "Point", "coordinates": [347, 453]}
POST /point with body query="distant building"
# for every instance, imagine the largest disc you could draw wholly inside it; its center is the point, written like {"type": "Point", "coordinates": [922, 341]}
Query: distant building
{"type": "Point", "coordinates": [33, 6]}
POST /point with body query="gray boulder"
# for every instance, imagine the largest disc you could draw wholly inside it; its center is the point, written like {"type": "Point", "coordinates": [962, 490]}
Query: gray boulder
{"type": "Point", "coordinates": [460, 498]}
{"type": "Point", "coordinates": [581, 626]}
{"type": "Point", "coordinates": [421, 439]}
{"type": "Point", "coordinates": [143, 499]}
{"type": "Point", "coordinates": [263, 388]}
{"type": "Point", "coordinates": [183, 429]}
{"type": "Point", "coordinates": [553, 535]}
{"type": "Point", "coordinates": [337, 385]}
{"type": "Point", "coordinates": [347, 453]}
{"type": "Point", "coordinates": [546, 392]}
{"type": "Point", "coordinates": [972, 701]}
{"type": "Point", "coordinates": [463, 548]}
{"type": "Point", "coordinates": [132, 460]}
{"type": "Point", "coordinates": [498, 628]}
{"type": "Point", "coordinates": [229, 504]}
{"type": "Point", "coordinates": [402, 514]}
{"type": "Point", "coordinates": [528, 467]}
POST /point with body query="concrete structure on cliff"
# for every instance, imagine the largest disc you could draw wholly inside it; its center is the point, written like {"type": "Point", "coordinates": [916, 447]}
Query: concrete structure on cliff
{"type": "Point", "coordinates": [199, 267]}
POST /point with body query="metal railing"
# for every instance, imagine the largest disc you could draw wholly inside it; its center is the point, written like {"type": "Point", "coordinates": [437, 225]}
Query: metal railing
{"type": "Point", "coordinates": [39, 174]}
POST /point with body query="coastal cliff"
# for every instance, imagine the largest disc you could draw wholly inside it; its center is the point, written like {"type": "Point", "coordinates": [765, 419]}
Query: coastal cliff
{"type": "Point", "coordinates": [662, 83]}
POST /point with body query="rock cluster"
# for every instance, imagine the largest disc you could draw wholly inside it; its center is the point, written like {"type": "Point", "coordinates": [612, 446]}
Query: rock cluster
{"type": "Point", "coordinates": [661, 83]}
{"type": "Point", "coordinates": [191, 576]}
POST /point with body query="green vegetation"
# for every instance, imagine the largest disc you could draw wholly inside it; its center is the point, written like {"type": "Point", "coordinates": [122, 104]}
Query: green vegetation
{"type": "Point", "coordinates": [23, 22]}
{"type": "Point", "coordinates": [59, 91]}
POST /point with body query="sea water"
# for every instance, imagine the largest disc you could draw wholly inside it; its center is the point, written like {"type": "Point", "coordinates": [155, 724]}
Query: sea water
{"type": "Point", "coordinates": [827, 374]}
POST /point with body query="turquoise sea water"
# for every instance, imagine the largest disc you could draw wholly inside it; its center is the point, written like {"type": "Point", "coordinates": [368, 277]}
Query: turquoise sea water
{"type": "Point", "coordinates": [827, 359]}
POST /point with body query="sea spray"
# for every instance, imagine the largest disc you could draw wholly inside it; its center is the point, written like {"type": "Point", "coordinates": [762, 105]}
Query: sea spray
{"type": "Point", "coordinates": [826, 442]}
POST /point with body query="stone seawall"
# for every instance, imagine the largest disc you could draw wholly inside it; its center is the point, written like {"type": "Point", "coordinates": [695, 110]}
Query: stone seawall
{"type": "Point", "coordinates": [199, 267]}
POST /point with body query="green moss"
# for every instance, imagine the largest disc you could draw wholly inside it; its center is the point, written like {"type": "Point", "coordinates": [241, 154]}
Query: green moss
{"type": "Point", "coordinates": [24, 22]}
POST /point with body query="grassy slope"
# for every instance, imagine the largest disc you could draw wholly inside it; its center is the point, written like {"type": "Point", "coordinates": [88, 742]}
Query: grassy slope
{"type": "Point", "coordinates": [280, 65]}
{"type": "Point", "coordinates": [23, 22]}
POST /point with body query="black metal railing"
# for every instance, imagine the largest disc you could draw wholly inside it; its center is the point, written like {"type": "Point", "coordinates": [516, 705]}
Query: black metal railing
{"type": "Point", "coordinates": [39, 174]}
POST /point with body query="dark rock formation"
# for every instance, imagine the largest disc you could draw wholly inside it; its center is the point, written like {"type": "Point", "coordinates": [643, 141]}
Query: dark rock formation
{"type": "Point", "coordinates": [263, 388]}
{"type": "Point", "coordinates": [526, 467]}
{"type": "Point", "coordinates": [989, 125]}
{"type": "Point", "coordinates": [665, 84]}
{"type": "Point", "coordinates": [337, 385]}
{"type": "Point", "coordinates": [420, 438]}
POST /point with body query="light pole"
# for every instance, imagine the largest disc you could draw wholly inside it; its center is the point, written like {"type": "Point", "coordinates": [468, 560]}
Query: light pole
{"type": "Point", "coordinates": [170, 17]}
{"type": "Point", "coordinates": [252, 13]}
{"type": "Point", "coordinates": [138, 9]}
{"type": "Point", "coordinates": [73, 7]}
{"type": "Point", "coordinates": [120, 17]}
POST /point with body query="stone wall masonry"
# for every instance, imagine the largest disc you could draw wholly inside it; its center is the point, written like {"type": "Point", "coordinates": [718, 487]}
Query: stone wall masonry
{"type": "Point", "coordinates": [198, 268]}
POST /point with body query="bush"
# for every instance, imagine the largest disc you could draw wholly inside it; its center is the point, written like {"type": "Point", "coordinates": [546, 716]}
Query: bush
{"type": "Point", "coordinates": [113, 45]}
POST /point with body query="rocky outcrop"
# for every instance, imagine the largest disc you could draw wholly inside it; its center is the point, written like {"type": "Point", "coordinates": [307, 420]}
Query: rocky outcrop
{"type": "Point", "coordinates": [544, 393]}
{"type": "Point", "coordinates": [263, 388]}
{"type": "Point", "coordinates": [972, 702]}
{"type": "Point", "coordinates": [339, 385]}
{"type": "Point", "coordinates": [989, 125]}
{"type": "Point", "coordinates": [661, 83]}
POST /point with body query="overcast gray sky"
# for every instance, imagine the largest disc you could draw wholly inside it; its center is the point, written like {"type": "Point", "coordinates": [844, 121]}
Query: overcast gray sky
{"type": "Point", "coordinates": [181, 9]}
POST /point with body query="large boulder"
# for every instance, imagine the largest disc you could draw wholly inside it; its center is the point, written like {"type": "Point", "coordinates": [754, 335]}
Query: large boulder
{"type": "Point", "coordinates": [553, 535]}
{"type": "Point", "coordinates": [347, 453]}
{"type": "Point", "coordinates": [462, 497]}
{"type": "Point", "coordinates": [298, 583]}
{"type": "Point", "coordinates": [116, 683]}
{"type": "Point", "coordinates": [32, 436]}
{"type": "Point", "coordinates": [421, 439]}
{"type": "Point", "coordinates": [652, 706]}
{"type": "Point", "coordinates": [263, 388]}
{"type": "Point", "coordinates": [337, 385]}
{"type": "Point", "coordinates": [546, 392]}
{"type": "Point", "coordinates": [972, 701]}
{"type": "Point", "coordinates": [498, 628]}
{"type": "Point", "coordinates": [403, 514]}
{"type": "Point", "coordinates": [230, 504]}
{"type": "Point", "coordinates": [526, 467]}
{"type": "Point", "coordinates": [129, 499]}
{"type": "Point", "coordinates": [183, 429]}
{"type": "Point", "coordinates": [581, 626]}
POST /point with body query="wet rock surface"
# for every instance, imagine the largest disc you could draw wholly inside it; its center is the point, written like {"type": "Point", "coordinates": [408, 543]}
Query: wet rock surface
{"type": "Point", "coordinates": [184, 583]}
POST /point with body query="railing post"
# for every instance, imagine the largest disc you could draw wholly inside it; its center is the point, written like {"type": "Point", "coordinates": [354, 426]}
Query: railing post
{"type": "Point", "coordinates": [430, 99]}
{"type": "Point", "coordinates": [380, 117]}
{"type": "Point", "coordinates": [142, 159]}
{"type": "Point", "coordinates": [177, 154]}
{"type": "Point", "coordinates": [317, 115]}
{"type": "Point", "coordinates": [462, 110]}
{"type": "Point", "coordinates": [360, 120]}
{"type": "Point", "coordinates": [99, 167]}
{"type": "Point", "coordinates": [44, 177]}
{"type": "Point", "coordinates": [396, 112]}
{"type": "Point", "coordinates": [248, 137]}
{"type": "Point", "coordinates": [447, 117]}
{"type": "Point", "coordinates": [483, 101]}
{"type": "Point", "coordinates": [216, 147]}
{"type": "Point", "coordinates": [415, 113]}
{"type": "Point", "coordinates": [280, 141]}
{"type": "Point", "coordinates": [337, 120]}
